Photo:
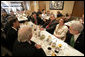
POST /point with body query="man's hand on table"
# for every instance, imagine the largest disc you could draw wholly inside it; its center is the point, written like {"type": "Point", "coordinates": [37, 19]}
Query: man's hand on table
{"type": "Point", "coordinates": [37, 46]}
{"type": "Point", "coordinates": [41, 28]}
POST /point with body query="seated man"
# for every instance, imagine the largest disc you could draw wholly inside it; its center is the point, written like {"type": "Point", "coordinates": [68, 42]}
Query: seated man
{"type": "Point", "coordinates": [38, 12]}
{"type": "Point", "coordinates": [40, 21]}
{"type": "Point", "coordinates": [24, 46]}
{"type": "Point", "coordinates": [12, 33]}
{"type": "Point", "coordinates": [59, 14]}
{"type": "Point", "coordinates": [8, 24]}
{"type": "Point", "coordinates": [51, 24]}
{"type": "Point", "coordinates": [34, 18]}
{"type": "Point", "coordinates": [76, 37]}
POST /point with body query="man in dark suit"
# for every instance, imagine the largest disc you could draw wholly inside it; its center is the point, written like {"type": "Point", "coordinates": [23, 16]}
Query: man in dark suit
{"type": "Point", "coordinates": [51, 24]}
{"type": "Point", "coordinates": [38, 12]}
{"type": "Point", "coordinates": [12, 33]}
{"type": "Point", "coordinates": [59, 14]}
{"type": "Point", "coordinates": [34, 18]}
{"type": "Point", "coordinates": [75, 36]}
{"type": "Point", "coordinates": [8, 24]}
{"type": "Point", "coordinates": [40, 21]}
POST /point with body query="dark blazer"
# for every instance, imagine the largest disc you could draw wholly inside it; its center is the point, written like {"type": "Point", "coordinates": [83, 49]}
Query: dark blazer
{"type": "Point", "coordinates": [12, 35]}
{"type": "Point", "coordinates": [79, 44]}
{"type": "Point", "coordinates": [52, 26]}
{"type": "Point", "coordinates": [59, 15]}
{"type": "Point", "coordinates": [26, 49]}
{"type": "Point", "coordinates": [33, 20]}
{"type": "Point", "coordinates": [38, 13]}
{"type": "Point", "coordinates": [29, 18]}
{"type": "Point", "coordinates": [68, 37]}
{"type": "Point", "coordinates": [3, 39]}
{"type": "Point", "coordinates": [46, 23]}
{"type": "Point", "coordinates": [7, 27]}
{"type": "Point", "coordinates": [40, 21]}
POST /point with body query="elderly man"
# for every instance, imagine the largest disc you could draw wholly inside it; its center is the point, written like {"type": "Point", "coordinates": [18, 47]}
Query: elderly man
{"type": "Point", "coordinates": [76, 36]}
{"type": "Point", "coordinates": [50, 25]}
{"type": "Point", "coordinates": [24, 46]}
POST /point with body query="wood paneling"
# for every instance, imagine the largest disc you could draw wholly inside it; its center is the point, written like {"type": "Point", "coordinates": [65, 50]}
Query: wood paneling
{"type": "Point", "coordinates": [78, 9]}
{"type": "Point", "coordinates": [32, 6]}
{"type": "Point", "coordinates": [42, 5]}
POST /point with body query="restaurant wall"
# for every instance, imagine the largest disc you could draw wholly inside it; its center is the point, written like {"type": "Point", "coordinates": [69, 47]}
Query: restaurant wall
{"type": "Point", "coordinates": [36, 7]}
{"type": "Point", "coordinates": [33, 6]}
{"type": "Point", "coordinates": [68, 7]}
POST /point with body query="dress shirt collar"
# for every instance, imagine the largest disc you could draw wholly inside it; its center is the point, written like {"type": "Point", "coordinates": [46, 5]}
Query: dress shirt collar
{"type": "Point", "coordinates": [14, 28]}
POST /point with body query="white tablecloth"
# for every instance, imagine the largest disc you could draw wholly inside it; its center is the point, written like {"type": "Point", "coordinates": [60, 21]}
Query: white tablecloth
{"type": "Point", "coordinates": [66, 49]}
{"type": "Point", "coordinates": [24, 18]}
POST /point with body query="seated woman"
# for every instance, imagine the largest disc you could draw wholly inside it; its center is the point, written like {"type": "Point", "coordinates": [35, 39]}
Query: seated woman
{"type": "Point", "coordinates": [61, 30]}
{"type": "Point", "coordinates": [8, 25]}
{"type": "Point", "coordinates": [51, 24]}
{"type": "Point", "coordinates": [24, 46]}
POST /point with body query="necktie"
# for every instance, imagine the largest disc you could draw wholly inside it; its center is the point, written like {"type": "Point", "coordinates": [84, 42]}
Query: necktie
{"type": "Point", "coordinates": [48, 25]}
{"type": "Point", "coordinates": [35, 21]}
{"type": "Point", "coordinates": [72, 41]}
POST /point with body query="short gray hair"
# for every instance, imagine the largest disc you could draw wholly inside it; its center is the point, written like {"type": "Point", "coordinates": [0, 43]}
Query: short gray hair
{"type": "Point", "coordinates": [23, 34]}
{"type": "Point", "coordinates": [77, 26]}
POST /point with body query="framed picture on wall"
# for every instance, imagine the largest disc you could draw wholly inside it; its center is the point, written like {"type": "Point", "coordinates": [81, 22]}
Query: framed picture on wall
{"type": "Point", "coordinates": [56, 5]}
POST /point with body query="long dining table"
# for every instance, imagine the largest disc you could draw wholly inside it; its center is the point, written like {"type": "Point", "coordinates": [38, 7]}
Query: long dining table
{"type": "Point", "coordinates": [47, 40]}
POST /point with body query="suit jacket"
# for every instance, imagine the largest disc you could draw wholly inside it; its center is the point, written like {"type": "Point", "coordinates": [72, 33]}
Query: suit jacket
{"type": "Point", "coordinates": [38, 13]}
{"type": "Point", "coordinates": [79, 44]}
{"type": "Point", "coordinates": [34, 20]}
{"type": "Point", "coordinates": [26, 49]}
{"type": "Point", "coordinates": [12, 35]}
{"type": "Point", "coordinates": [29, 18]}
{"type": "Point", "coordinates": [40, 21]}
{"type": "Point", "coordinates": [52, 26]}
{"type": "Point", "coordinates": [59, 15]}
{"type": "Point", "coordinates": [68, 37]}
{"type": "Point", "coordinates": [3, 39]}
